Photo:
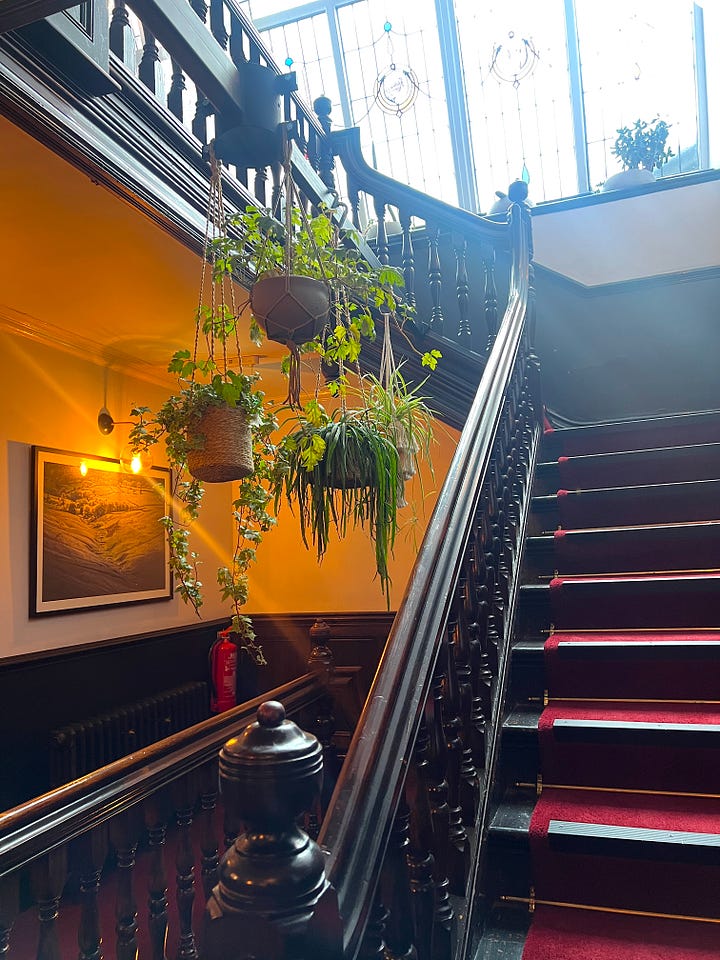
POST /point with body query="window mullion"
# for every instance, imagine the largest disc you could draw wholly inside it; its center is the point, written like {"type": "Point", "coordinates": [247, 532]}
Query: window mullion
{"type": "Point", "coordinates": [577, 98]}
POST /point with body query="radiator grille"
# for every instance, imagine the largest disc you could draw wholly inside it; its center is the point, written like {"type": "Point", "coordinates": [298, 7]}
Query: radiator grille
{"type": "Point", "coordinates": [80, 748]}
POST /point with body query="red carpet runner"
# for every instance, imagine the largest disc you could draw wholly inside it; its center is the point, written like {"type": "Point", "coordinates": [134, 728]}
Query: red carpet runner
{"type": "Point", "coordinates": [629, 815]}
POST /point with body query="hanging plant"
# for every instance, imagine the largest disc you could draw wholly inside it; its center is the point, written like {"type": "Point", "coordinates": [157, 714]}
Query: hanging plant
{"type": "Point", "coordinates": [216, 428]}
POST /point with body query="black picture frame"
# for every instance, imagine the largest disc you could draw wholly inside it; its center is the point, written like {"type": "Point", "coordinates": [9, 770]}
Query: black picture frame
{"type": "Point", "coordinates": [96, 536]}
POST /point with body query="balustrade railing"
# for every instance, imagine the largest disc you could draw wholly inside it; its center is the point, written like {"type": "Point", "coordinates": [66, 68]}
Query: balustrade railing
{"type": "Point", "coordinates": [121, 862]}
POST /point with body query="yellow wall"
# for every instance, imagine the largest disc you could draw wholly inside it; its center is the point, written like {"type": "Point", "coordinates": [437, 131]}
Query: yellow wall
{"type": "Point", "coordinates": [51, 398]}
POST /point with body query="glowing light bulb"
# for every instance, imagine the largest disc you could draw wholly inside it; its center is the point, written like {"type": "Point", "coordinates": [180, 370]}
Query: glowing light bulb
{"type": "Point", "coordinates": [135, 461]}
{"type": "Point", "coordinates": [83, 468]}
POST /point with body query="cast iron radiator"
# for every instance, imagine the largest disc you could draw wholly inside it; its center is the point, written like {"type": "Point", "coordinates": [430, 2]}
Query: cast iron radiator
{"type": "Point", "coordinates": [79, 748]}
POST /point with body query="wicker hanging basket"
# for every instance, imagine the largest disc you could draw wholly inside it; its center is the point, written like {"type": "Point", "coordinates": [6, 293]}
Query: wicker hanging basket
{"type": "Point", "coordinates": [225, 449]}
{"type": "Point", "coordinates": [290, 308]}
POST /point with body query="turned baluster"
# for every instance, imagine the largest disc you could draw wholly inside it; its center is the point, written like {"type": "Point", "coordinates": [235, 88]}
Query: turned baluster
{"type": "Point", "coordinates": [217, 22]}
{"type": "Point", "coordinates": [437, 321]}
{"type": "Point", "coordinates": [156, 825]}
{"type": "Point", "coordinates": [322, 662]}
{"type": "Point", "coordinates": [421, 863]}
{"type": "Point", "coordinates": [373, 945]}
{"type": "Point", "coordinates": [470, 704]}
{"type": "Point", "coordinates": [354, 200]}
{"type": "Point", "coordinates": [490, 297]}
{"type": "Point", "coordinates": [125, 832]}
{"type": "Point", "coordinates": [395, 888]}
{"type": "Point", "coordinates": [408, 259]}
{"type": "Point", "coordinates": [457, 835]}
{"type": "Point", "coordinates": [47, 881]}
{"type": "Point", "coordinates": [260, 185]}
{"type": "Point", "coordinates": [209, 853]}
{"type": "Point", "coordinates": [9, 909]}
{"type": "Point", "coordinates": [272, 895]}
{"type": "Point", "coordinates": [150, 72]}
{"type": "Point", "coordinates": [325, 158]}
{"type": "Point", "coordinates": [92, 850]}
{"type": "Point", "coordinates": [381, 243]}
{"type": "Point", "coordinates": [201, 8]}
{"type": "Point", "coordinates": [463, 290]}
{"type": "Point", "coordinates": [185, 794]}
{"type": "Point", "coordinates": [122, 39]}
{"type": "Point", "coordinates": [177, 88]}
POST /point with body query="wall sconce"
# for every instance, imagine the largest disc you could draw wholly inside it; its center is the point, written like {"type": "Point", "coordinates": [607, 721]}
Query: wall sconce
{"type": "Point", "coordinates": [131, 461]}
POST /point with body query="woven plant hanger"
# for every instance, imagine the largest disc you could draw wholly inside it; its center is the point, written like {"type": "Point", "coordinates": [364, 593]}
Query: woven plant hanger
{"type": "Point", "coordinates": [224, 446]}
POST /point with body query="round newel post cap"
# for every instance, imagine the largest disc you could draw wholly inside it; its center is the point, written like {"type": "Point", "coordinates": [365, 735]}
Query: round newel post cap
{"type": "Point", "coordinates": [270, 714]}
{"type": "Point", "coordinates": [272, 771]}
{"type": "Point", "coordinates": [322, 106]}
{"type": "Point", "coordinates": [518, 191]}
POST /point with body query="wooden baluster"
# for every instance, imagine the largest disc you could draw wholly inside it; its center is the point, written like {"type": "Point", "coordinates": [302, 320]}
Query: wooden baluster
{"type": "Point", "coordinates": [260, 185]}
{"type": "Point", "coordinates": [437, 321]}
{"type": "Point", "coordinates": [209, 854]}
{"type": "Point", "coordinates": [480, 651]}
{"type": "Point", "coordinates": [125, 832]}
{"type": "Point", "coordinates": [237, 41]}
{"type": "Point", "coordinates": [460, 640]}
{"type": "Point", "coordinates": [463, 290]}
{"type": "Point", "coordinates": [201, 8]}
{"type": "Point", "coordinates": [156, 824]}
{"type": "Point", "coordinates": [382, 249]}
{"type": "Point", "coordinates": [149, 71]}
{"type": "Point", "coordinates": [354, 201]}
{"type": "Point", "coordinates": [48, 880]}
{"type": "Point", "coordinates": [373, 942]}
{"type": "Point", "coordinates": [440, 814]}
{"type": "Point", "coordinates": [185, 793]}
{"type": "Point", "coordinates": [491, 305]}
{"type": "Point", "coordinates": [325, 159]}
{"type": "Point", "coordinates": [122, 39]}
{"type": "Point", "coordinates": [9, 909]}
{"type": "Point", "coordinates": [177, 88]}
{"type": "Point", "coordinates": [395, 887]}
{"type": "Point", "coordinates": [408, 259]}
{"type": "Point", "coordinates": [421, 863]}
{"type": "Point", "coordinates": [276, 171]}
{"type": "Point", "coordinates": [322, 662]}
{"type": "Point", "coordinates": [272, 895]}
{"type": "Point", "coordinates": [459, 850]}
{"type": "Point", "coordinates": [217, 22]}
{"type": "Point", "coordinates": [92, 850]}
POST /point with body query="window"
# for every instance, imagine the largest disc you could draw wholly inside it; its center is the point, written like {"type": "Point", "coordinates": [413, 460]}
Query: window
{"type": "Point", "coordinates": [505, 89]}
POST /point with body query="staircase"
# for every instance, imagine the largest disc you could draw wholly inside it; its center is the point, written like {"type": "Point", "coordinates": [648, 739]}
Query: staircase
{"type": "Point", "coordinates": [606, 843]}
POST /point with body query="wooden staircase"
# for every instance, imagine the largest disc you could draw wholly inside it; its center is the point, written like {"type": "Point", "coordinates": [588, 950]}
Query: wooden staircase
{"type": "Point", "coordinates": [613, 716]}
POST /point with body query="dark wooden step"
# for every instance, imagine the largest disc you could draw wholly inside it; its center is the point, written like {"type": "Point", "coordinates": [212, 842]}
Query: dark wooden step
{"type": "Point", "coordinates": [633, 468]}
{"type": "Point", "coordinates": [688, 428]}
{"type": "Point", "coordinates": [683, 546]}
{"type": "Point", "coordinates": [627, 506]}
{"type": "Point", "coordinates": [504, 933]}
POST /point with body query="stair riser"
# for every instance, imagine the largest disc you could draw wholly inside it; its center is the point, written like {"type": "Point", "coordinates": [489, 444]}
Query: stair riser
{"type": "Point", "coordinates": [640, 604]}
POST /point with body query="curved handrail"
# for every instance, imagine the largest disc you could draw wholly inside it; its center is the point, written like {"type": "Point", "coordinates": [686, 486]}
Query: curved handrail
{"type": "Point", "coordinates": [48, 821]}
{"type": "Point", "coordinates": [346, 144]}
{"type": "Point", "coordinates": [368, 790]}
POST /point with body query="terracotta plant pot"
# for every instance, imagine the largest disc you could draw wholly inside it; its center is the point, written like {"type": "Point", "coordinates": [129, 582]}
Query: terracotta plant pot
{"type": "Point", "coordinates": [290, 309]}
{"type": "Point", "coordinates": [224, 449]}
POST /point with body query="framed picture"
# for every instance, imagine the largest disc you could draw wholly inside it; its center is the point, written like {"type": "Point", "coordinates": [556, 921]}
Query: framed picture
{"type": "Point", "coordinates": [96, 538]}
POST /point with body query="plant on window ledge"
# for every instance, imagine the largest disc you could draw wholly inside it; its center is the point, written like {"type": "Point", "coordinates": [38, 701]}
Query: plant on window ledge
{"type": "Point", "coordinates": [643, 145]}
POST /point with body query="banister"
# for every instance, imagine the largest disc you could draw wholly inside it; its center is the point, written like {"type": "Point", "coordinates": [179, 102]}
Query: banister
{"type": "Point", "coordinates": [47, 822]}
{"type": "Point", "coordinates": [346, 145]}
{"type": "Point", "coordinates": [357, 823]}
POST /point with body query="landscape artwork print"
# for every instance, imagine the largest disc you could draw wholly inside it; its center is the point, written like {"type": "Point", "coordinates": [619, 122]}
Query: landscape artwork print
{"type": "Point", "coordinates": [98, 539]}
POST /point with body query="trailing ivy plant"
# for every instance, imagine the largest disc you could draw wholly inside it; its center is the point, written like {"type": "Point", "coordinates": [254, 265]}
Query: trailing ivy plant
{"type": "Point", "coordinates": [173, 423]}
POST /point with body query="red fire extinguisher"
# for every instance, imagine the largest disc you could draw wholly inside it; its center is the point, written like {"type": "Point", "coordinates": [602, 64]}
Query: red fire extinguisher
{"type": "Point", "coordinates": [223, 673]}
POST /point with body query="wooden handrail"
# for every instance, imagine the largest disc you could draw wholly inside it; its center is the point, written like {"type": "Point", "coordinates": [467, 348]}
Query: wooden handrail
{"type": "Point", "coordinates": [44, 823]}
{"type": "Point", "coordinates": [358, 821]}
{"type": "Point", "coordinates": [346, 144]}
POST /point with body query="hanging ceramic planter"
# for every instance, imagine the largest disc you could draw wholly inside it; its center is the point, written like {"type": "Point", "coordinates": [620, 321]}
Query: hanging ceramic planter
{"type": "Point", "coordinates": [222, 445]}
{"type": "Point", "coordinates": [290, 308]}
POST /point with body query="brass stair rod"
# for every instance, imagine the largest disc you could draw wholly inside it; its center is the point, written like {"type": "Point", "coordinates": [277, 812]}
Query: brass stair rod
{"type": "Point", "coordinates": [532, 902]}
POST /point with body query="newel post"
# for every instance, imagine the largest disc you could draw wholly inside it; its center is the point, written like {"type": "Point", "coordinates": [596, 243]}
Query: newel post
{"type": "Point", "coordinates": [273, 899]}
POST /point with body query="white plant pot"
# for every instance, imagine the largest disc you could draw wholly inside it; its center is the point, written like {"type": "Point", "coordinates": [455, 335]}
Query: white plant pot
{"type": "Point", "coordinates": [628, 179]}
